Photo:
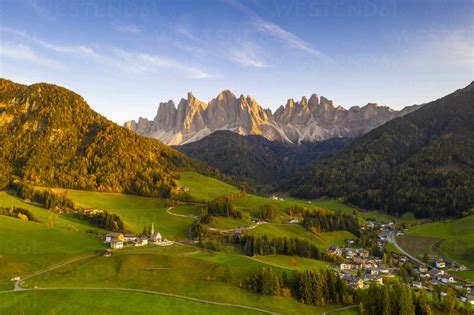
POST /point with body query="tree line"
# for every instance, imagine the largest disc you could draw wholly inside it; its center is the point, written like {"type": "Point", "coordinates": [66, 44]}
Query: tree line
{"type": "Point", "coordinates": [312, 287]}
{"type": "Point", "coordinates": [20, 213]}
{"type": "Point", "coordinates": [57, 202]}
{"type": "Point", "coordinates": [221, 208]}
{"type": "Point", "coordinates": [326, 221]}
{"type": "Point", "coordinates": [49, 199]}
{"type": "Point", "coordinates": [102, 219]}
{"type": "Point", "coordinates": [255, 245]}
{"type": "Point", "coordinates": [321, 287]}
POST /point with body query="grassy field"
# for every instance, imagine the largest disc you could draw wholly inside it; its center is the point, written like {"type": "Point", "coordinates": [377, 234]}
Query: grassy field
{"type": "Point", "coordinates": [229, 223]}
{"type": "Point", "coordinates": [453, 239]}
{"type": "Point", "coordinates": [179, 269]}
{"type": "Point", "coordinates": [46, 216]}
{"type": "Point", "coordinates": [188, 210]}
{"type": "Point", "coordinates": [136, 212]}
{"type": "Point", "coordinates": [252, 204]}
{"type": "Point", "coordinates": [26, 247]}
{"type": "Point", "coordinates": [288, 262]}
{"type": "Point", "coordinates": [323, 240]}
{"type": "Point", "coordinates": [203, 187]}
{"type": "Point", "coordinates": [104, 302]}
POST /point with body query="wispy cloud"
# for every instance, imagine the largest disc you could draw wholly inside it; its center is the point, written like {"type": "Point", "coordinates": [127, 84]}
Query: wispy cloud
{"type": "Point", "coordinates": [143, 62]}
{"type": "Point", "coordinates": [64, 49]}
{"type": "Point", "coordinates": [246, 55]}
{"type": "Point", "coordinates": [290, 39]}
{"type": "Point", "coordinates": [25, 53]}
{"type": "Point", "coordinates": [132, 62]}
{"type": "Point", "coordinates": [75, 49]}
{"type": "Point", "coordinates": [132, 29]}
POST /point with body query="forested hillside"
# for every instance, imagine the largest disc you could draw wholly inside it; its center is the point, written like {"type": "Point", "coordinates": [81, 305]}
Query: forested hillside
{"type": "Point", "coordinates": [255, 160]}
{"type": "Point", "coordinates": [422, 162]}
{"type": "Point", "coordinates": [51, 137]}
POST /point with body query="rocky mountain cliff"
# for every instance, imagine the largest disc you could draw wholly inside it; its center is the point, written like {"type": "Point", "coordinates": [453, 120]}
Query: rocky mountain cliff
{"type": "Point", "coordinates": [313, 119]}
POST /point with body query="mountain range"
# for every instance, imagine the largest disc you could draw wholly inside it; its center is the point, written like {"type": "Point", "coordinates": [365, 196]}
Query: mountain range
{"type": "Point", "coordinates": [309, 120]}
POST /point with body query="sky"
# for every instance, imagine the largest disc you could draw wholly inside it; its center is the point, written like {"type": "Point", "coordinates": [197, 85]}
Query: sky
{"type": "Point", "coordinates": [125, 57]}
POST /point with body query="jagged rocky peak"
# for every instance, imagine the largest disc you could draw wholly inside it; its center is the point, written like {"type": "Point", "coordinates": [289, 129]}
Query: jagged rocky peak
{"type": "Point", "coordinates": [310, 119]}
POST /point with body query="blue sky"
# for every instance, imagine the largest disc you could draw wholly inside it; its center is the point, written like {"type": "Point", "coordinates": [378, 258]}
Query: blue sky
{"type": "Point", "coordinates": [124, 57]}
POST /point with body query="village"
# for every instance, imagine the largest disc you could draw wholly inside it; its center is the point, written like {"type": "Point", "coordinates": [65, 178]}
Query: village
{"type": "Point", "coordinates": [120, 240]}
{"type": "Point", "coordinates": [359, 268]}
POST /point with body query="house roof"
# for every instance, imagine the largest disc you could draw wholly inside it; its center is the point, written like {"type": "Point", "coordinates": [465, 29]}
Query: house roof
{"type": "Point", "coordinates": [112, 234]}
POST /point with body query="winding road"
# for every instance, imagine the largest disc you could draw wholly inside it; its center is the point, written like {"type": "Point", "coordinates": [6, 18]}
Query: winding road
{"type": "Point", "coordinates": [391, 238]}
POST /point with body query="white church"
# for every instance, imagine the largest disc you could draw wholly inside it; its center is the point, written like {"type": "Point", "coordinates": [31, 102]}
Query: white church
{"type": "Point", "coordinates": [157, 239]}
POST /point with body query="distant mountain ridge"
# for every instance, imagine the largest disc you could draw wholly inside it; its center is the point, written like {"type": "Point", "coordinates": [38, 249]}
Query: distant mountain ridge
{"type": "Point", "coordinates": [254, 161]}
{"type": "Point", "coordinates": [309, 120]}
{"type": "Point", "coordinates": [422, 163]}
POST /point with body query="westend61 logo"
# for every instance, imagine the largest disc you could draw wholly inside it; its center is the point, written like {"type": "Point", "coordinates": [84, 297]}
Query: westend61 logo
{"type": "Point", "coordinates": [334, 8]}
{"type": "Point", "coordinates": [295, 8]}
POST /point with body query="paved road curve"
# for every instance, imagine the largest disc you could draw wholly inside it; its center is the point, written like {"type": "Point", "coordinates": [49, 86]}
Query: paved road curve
{"type": "Point", "coordinates": [392, 239]}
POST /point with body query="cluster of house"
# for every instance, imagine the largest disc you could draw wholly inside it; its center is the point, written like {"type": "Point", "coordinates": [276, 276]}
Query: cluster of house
{"type": "Point", "coordinates": [448, 264]}
{"type": "Point", "coordinates": [438, 276]}
{"type": "Point", "coordinates": [359, 269]}
{"type": "Point", "coordinates": [274, 197]}
{"type": "Point", "coordinates": [119, 240]}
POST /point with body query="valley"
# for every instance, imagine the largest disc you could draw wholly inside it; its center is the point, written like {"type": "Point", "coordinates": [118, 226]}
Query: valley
{"type": "Point", "coordinates": [289, 229]}
{"type": "Point", "coordinates": [183, 277]}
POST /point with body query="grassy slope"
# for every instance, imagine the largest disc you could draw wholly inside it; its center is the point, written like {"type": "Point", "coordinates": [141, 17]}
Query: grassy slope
{"type": "Point", "coordinates": [44, 215]}
{"type": "Point", "coordinates": [457, 236]}
{"type": "Point", "coordinates": [137, 212]}
{"type": "Point", "coordinates": [323, 240]}
{"type": "Point", "coordinates": [190, 266]}
{"type": "Point", "coordinates": [204, 187]}
{"type": "Point", "coordinates": [28, 246]}
{"type": "Point", "coordinates": [192, 272]}
{"type": "Point", "coordinates": [301, 263]}
{"type": "Point", "coordinates": [104, 302]}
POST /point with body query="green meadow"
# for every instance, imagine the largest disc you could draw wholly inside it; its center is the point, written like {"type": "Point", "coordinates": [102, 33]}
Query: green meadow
{"type": "Point", "coordinates": [136, 212]}
{"type": "Point", "coordinates": [452, 239]}
{"type": "Point", "coordinates": [203, 187]}
{"type": "Point", "coordinates": [179, 269]}
{"type": "Point", "coordinates": [105, 302]}
{"type": "Point", "coordinates": [26, 247]}
{"type": "Point", "coordinates": [46, 216]}
{"type": "Point", "coordinates": [321, 240]}
{"type": "Point", "coordinates": [296, 263]}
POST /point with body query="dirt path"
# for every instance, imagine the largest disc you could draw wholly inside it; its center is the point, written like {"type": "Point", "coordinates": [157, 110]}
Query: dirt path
{"type": "Point", "coordinates": [339, 309]}
{"type": "Point", "coordinates": [58, 266]}
{"type": "Point", "coordinates": [180, 215]}
{"type": "Point", "coordinates": [18, 288]}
